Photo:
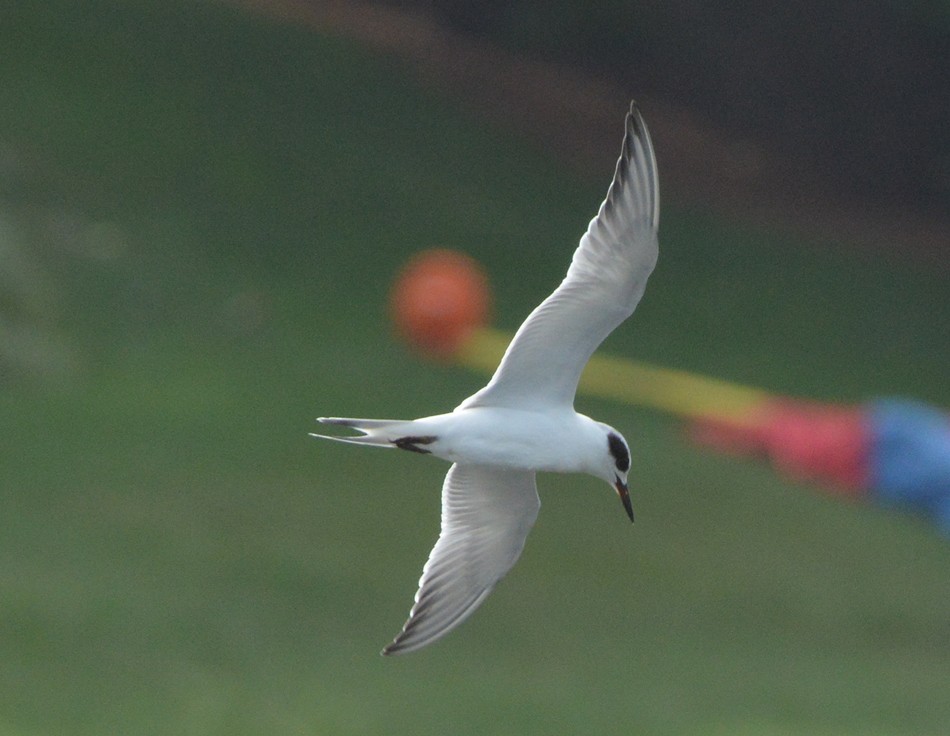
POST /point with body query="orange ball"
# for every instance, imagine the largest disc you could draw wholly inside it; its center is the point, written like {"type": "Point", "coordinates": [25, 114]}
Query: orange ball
{"type": "Point", "coordinates": [438, 299]}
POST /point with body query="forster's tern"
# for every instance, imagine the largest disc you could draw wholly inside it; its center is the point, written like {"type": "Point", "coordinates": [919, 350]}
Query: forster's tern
{"type": "Point", "coordinates": [524, 421]}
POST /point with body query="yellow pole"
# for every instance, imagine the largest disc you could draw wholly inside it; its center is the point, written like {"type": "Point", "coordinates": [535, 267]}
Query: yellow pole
{"type": "Point", "coordinates": [633, 382]}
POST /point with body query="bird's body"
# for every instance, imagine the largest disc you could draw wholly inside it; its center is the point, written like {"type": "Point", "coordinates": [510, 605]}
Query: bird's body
{"type": "Point", "coordinates": [524, 421]}
{"type": "Point", "coordinates": [558, 440]}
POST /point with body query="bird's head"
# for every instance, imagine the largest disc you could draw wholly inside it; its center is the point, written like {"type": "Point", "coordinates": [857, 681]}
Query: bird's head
{"type": "Point", "coordinates": [615, 464]}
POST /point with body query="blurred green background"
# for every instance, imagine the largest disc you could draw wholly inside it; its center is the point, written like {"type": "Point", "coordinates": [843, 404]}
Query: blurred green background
{"type": "Point", "coordinates": [200, 214]}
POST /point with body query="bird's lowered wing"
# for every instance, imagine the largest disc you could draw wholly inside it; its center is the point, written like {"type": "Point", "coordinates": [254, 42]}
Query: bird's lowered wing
{"type": "Point", "coordinates": [487, 513]}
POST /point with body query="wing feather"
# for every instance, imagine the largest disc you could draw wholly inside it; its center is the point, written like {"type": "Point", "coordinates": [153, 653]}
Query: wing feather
{"type": "Point", "coordinates": [487, 513]}
{"type": "Point", "coordinates": [604, 284]}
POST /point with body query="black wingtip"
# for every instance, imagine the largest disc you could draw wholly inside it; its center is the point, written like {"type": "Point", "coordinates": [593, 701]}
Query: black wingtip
{"type": "Point", "coordinates": [638, 151]}
{"type": "Point", "coordinates": [396, 646]}
{"type": "Point", "coordinates": [635, 122]}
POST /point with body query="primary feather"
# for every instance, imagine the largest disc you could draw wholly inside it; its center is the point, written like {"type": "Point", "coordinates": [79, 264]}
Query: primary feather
{"type": "Point", "coordinates": [604, 283]}
{"type": "Point", "coordinates": [487, 513]}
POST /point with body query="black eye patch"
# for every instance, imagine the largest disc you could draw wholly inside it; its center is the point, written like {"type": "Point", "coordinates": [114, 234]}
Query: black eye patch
{"type": "Point", "coordinates": [619, 452]}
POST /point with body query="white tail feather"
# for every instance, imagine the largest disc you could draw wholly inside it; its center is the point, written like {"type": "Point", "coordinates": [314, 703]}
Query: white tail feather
{"type": "Point", "coordinates": [379, 432]}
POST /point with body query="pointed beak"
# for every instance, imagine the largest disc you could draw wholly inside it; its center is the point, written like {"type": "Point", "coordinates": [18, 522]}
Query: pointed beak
{"type": "Point", "coordinates": [624, 494]}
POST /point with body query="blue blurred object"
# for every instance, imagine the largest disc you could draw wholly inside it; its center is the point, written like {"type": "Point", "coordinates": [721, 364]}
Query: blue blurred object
{"type": "Point", "coordinates": [909, 461]}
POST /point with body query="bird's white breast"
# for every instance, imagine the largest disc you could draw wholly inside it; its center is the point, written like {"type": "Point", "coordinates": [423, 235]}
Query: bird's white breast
{"type": "Point", "coordinates": [557, 441]}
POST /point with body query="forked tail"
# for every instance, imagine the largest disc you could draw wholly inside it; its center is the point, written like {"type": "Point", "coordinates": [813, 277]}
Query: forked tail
{"type": "Point", "coordinates": [378, 432]}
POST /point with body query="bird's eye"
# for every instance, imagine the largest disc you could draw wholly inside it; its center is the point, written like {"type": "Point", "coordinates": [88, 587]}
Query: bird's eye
{"type": "Point", "coordinates": [618, 450]}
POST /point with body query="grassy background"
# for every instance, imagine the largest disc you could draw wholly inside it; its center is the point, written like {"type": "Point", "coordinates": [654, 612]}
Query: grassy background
{"type": "Point", "coordinates": [201, 212]}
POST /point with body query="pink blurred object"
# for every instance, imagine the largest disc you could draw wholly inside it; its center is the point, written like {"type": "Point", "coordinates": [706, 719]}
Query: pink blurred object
{"type": "Point", "coordinates": [894, 452]}
{"type": "Point", "coordinates": [805, 440]}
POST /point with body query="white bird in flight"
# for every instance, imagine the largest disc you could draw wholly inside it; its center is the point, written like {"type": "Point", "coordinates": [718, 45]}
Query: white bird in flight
{"type": "Point", "coordinates": [524, 421]}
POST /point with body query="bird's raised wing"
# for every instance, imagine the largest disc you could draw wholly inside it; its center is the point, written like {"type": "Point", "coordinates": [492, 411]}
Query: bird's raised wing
{"type": "Point", "coordinates": [604, 283]}
{"type": "Point", "coordinates": [487, 513]}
